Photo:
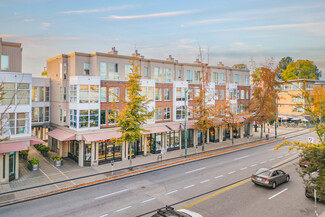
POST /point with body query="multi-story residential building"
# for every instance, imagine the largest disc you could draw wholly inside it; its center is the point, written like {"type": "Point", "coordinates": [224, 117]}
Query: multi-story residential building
{"type": "Point", "coordinates": [290, 96]}
{"type": "Point", "coordinates": [85, 88]}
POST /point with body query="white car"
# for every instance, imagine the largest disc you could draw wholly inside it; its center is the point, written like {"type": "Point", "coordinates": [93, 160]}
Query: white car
{"type": "Point", "coordinates": [189, 213]}
{"type": "Point", "coordinates": [170, 212]}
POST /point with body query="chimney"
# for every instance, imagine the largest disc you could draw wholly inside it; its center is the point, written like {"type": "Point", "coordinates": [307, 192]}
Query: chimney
{"type": "Point", "coordinates": [137, 54]}
{"type": "Point", "coordinates": [113, 51]}
{"type": "Point", "coordinates": [170, 58]}
{"type": "Point", "coordinates": [197, 61]}
{"type": "Point", "coordinates": [220, 64]}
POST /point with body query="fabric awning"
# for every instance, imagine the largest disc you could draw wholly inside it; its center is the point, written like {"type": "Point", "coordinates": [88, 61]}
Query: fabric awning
{"type": "Point", "coordinates": [157, 129]}
{"type": "Point", "coordinates": [174, 126]}
{"type": "Point", "coordinates": [61, 135]}
{"type": "Point", "coordinates": [13, 146]}
{"type": "Point", "coordinates": [34, 140]}
{"type": "Point", "coordinates": [92, 137]}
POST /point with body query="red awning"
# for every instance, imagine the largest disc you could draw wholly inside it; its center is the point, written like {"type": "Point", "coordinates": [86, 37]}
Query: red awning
{"type": "Point", "coordinates": [157, 129]}
{"type": "Point", "coordinates": [92, 137]}
{"type": "Point", "coordinates": [61, 135]}
{"type": "Point", "coordinates": [34, 140]}
{"type": "Point", "coordinates": [13, 146]}
{"type": "Point", "coordinates": [176, 126]}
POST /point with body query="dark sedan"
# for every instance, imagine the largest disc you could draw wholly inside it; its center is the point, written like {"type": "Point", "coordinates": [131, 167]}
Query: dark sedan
{"type": "Point", "coordinates": [270, 177]}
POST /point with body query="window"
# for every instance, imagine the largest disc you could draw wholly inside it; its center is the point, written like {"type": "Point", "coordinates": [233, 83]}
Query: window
{"type": "Point", "coordinates": [127, 95]}
{"type": "Point", "coordinates": [196, 77]}
{"type": "Point", "coordinates": [103, 71]}
{"type": "Point", "coordinates": [73, 118]}
{"type": "Point", "coordinates": [247, 94]}
{"type": "Point", "coordinates": [113, 71]}
{"type": "Point", "coordinates": [86, 68]}
{"type": "Point", "coordinates": [61, 93]}
{"type": "Point", "coordinates": [146, 71]}
{"type": "Point", "coordinates": [214, 77]}
{"type": "Point", "coordinates": [237, 78]}
{"type": "Point", "coordinates": [9, 97]}
{"type": "Point", "coordinates": [35, 114]}
{"type": "Point", "coordinates": [190, 112]}
{"type": "Point", "coordinates": [297, 99]}
{"type": "Point", "coordinates": [167, 94]}
{"type": "Point", "coordinates": [242, 94]}
{"type": "Point", "coordinates": [64, 116]}
{"type": "Point", "coordinates": [128, 70]}
{"type": "Point", "coordinates": [180, 112]}
{"type": "Point", "coordinates": [112, 116]}
{"type": "Point", "coordinates": [229, 78]}
{"type": "Point", "coordinates": [242, 108]}
{"type": "Point", "coordinates": [168, 75]}
{"type": "Point", "coordinates": [222, 94]}
{"type": "Point", "coordinates": [73, 93]}
{"type": "Point", "coordinates": [65, 70]}
{"type": "Point", "coordinates": [196, 92]}
{"type": "Point", "coordinates": [102, 117]}
{"type": "Point", "coordinates": [23, 93]}
{"type": "Point", "coordinates": [47, 94]}
{"type": "Point", "coordinates": [84, 94]}
{"type": "Point", "coordinates": [61, 115]}
{"type": "Point", "coordinates": [114, 94]}
{"type": "Point", "coordinates": [180, 94]}
{"type": "Point", "coordinates": [158, 114]}
{"type": "Point", "coordinates": [157, 74]}
{"type": "Point", "coordinates": [221, 78]}
{"type": "Point", "coordinates": [190, 94]}
{"type": "Point", "coordinates": [246, 79]}
{"type": "Point", "coordinates": [64, 93]}
{"type": "Point", "coordinates": [47, 114]}
{"type": "Point", "coordinates": [167, 113]}
{"type": "Point", "coordinates": [103, 94]}
{"type": "Point", "coordinates": [94, 93]}
{"type": "Point", "coordinates": [35, 94]}
{"type": "Point", "coordinates": [22, 124]}
{"type": "Point", "coordinates": [83, 118]}
{"type": "Point", "coordinates": [216, 95]}
{"type": "Point", "coordinates": [179, 73]}
{"type": "Point", "coordinates": [149, 92]}
{"type": "Point", "coordinates": [158, 94]}
{"type": "Point", "coordinates": [4, 62]}
{"type": "Point", "coordinates": [189, 76]}
{"type": "Point", "coordinates": [93, 117]}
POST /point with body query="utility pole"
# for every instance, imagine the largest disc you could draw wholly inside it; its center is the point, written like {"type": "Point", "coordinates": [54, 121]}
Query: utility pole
{"type": "Point", "coordinates": [276, 118]}
{"type": "Point", "coordinates": [185, 127]}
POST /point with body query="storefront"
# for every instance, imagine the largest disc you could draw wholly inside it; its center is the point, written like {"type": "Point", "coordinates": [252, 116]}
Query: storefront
{"type": "Point", "coordinates": [155, 142]}
{"type": "Point", "coordinates": [190, 138]}
{"type": "Point", "coordinates": [247, 129]}
{"type": "Point", "coordinates": [172, 141]}
{"type": "Point", "coordinates": [213, 135]}
{"type": "Point", "coordinates": [236, 132]}
{"type": "Point", "coordinates": [200, 137]}
{"type": "Point", "coordinates": [12, 165]}
{"type": "Point", "coordinates": [109, 150]}
{"type": "Point", "coordinates": [73, 151]}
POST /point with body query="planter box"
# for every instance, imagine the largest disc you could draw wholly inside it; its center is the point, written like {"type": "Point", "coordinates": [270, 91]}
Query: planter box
{"type": "Point", "coordinates": [44, 154]}
{"type": "Point", "coordinates": [57, 163]}
{"type": "Point", "coordinates": [33, 167]}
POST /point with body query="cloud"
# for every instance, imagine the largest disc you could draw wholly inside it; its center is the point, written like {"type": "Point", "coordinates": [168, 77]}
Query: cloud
{"type": "Point", "coordinates": [239, 44]}
{"type": "Point", "coordinates": [28, 20]}
{"type": "Point", "coordinates": [144, 16]}
{"type": "Point", "coordinates": [46, 24]}
{"type": "Point", "coordinates": [218, 20]}
{"type": "Point", "coordinates": [95, 10]}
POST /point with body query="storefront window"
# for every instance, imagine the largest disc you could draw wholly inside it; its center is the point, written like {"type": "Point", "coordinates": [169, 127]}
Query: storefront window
{"type": "Point", "coordinates": [108, 151]}
{"type": "Point", "coordinates": [83, 118]}
{"type": "Point", "coordinates": [172, 140]}
{"type": "Point", "coordinates": [87, 155]}
{"type": "Point", "coordinates": [84, 94]}
{"type": "Point", "coordinates": [190, 138]}
{"type": "Point", "coordinates": [12, 163]}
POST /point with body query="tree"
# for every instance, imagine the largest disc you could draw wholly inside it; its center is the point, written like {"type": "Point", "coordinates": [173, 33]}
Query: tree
{"type": "Point", "coordinates": [301, 69]}
{"type": "Point", "coordinates": [265, 94]}
{"type": "Point", "coordinates": [239, 66]}
{"type": "Point", "coordinates": [135, 113]}
{"type": "Point", "coordinates": [283, 64]}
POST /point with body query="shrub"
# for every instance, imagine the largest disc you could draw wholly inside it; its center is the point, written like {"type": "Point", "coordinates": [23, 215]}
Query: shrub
{"type": "Point", "coordinates": [56, 158]}
{"type": "Point", "coordinates": [34, 161]}
{"type": "Point", "coordinates": [24, 152]}
{"type": "Point", "coordinates": [44, 149]}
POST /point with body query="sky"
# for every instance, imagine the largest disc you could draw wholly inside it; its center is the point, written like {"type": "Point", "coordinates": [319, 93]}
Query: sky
{"type": "Point", "coordinates": [233, 31]}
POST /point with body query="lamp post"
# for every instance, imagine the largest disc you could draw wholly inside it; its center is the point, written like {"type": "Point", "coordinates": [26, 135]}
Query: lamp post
{"type": "Point", "coordinates": [185, 126]}
{"type": "Point", "coordinates": [276, 118]}
{"type": "Point", "coordinates": [320, 107]}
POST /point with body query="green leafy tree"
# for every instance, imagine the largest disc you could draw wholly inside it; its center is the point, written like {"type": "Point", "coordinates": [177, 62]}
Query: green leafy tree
{"type": "Point", "coordinates": [135, 113]}
{"type": "Point", "coordinates": [283, 64]}
{"type": "Point", "coordinates": [239, 66]}
{"type": "Point", "coordinates": [301, 69]}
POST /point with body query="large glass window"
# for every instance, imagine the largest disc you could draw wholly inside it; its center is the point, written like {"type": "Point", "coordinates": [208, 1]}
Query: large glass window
{"type": "Point", "coordinates": [242, 94]}
{"type": "Point", "coordinates": [103, 94]}
{"type": "Point", "coordinates": [112, 116]}
{"type": "Point", "coordinates": [103, 70]}
{"type": "Point", "coordinates": [9, 97]}
{"type": "Point", "coordinates": [87, 155]}
{"type": "Point", "coordinates": [158, 94]}
{"type": "Point", "coordinates": [180, 94]}
{"type": "Point", "coordinates": [47, 114]}
{"type": "Point", "coordinates": [47, 94]}
{"type": "Point", "coordinates": [84, 94]}
{"type": "Point", "coordinates": [229, 78]}
{"type": "Point", "coordinates": [35, 94]}
{"type": "Point", "coordinates": [93, 117]}
{"type": "Point", "coordinates": [113, 71]}
{"type": "Point", "coordinates": [167, 113]}
{"type": "Point", "coordinates": [146, 71]}
{"type": "Point", "coordinates": [73, 118]}
{"type": "Point", "coordinates": [4, 62]}
{"type": "Point", "coordinates": [128, 70]}
{"type": "Point", "coordinates": [94, 93]}
{"type": "Point", "coordinates": [35, 114]}
{"type": "Point", "coordinates": [12, 163]}
{"type": "Point", "coordinates": [168, 75]}
{"type": "Point", "coordinates": [158, 114]}
{"type": "Point", "coordinates": [167, 94]}
{"type": "Point", "coordinates": [103, 117]}
{"type": "Point", "coordinates": [65, 70]}
{"type": "Point", "coordinates": [180, 112]}
{"type": "Point", "coordinates": [246, 79]}
{"type": "Point", "coordinates": [23, 93]}
{"type": "Point", "coordinates": [83, 118]}
{"type": "Point", "coordinates": [189, 76]}
{"type": "Point", "coordinates": [221, 79]}
{"type": "Point", "coordinates": [222, 94]}
{"type": "Point", "coordinates": [22, 123]}
{"type": "Point", "coordinates": [196, 77]}
{"type": "Point", "coordinates": [237, 78]}
{"type": "Point", "coordinates": [86, 68]}
{"type": "Point", "coordinates": [179, 73]}
{"type": "Point", "coordinates": [172, 140]}
{"type": "Point", "coordinates": [114, 94]}
{"type": "Point", "coordinates": [158, 74]}
{"type": "Point", "coordinates": [247, 94]}
{"type": "Point", "coordinates": [149, 92]}
{"type": "Point", "coordinates": [214, 77]}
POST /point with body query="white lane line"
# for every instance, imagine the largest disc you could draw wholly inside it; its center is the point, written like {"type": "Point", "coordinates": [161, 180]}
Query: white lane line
{"type": "Point", "coordinates": [205, 181]}
{"type": "Point", "coordinates": [241, 157]}
{"type": "Point", "coordinates": [253, 165]}
{"type": "Point", "coordinates": [190, 186]}
{"type": "Point", "coordinates": [263, 162]}
{"type": "Point", "coordinates": [123, 209]}
{"type": "Point", "coordinates": [49, 178]}
{"type": "Point", "coordinates": [103, 215]}
{"type": "Point", "coordinates": [287, 155]}
{"type": "Point", "coordinates": [107, 195]}
{"type": "Point", "coordinates": [271, 149]}
{"type": "Point", "coordinates": [172, 192]}
{"type": "Point", "coordinates": [244, 168]}
{"type": "Point", "coordinates": [280, 157]}
{"type": "Point", "coordinates": [271, 159]}
{"type": "Point", "coordinates": [278, 193]}
{"type": "Point", "coordinates": [217, 177]}
{"type": "Point", "coordinates": [231, 172]}
{"type": "Point", "coordinates": [192, 171]}
{"type": "Point", "coordinates": [145, 201]}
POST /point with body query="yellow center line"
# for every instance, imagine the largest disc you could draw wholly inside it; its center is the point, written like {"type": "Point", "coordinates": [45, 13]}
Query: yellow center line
{"type": "Point", "coordinates": [237, 184]}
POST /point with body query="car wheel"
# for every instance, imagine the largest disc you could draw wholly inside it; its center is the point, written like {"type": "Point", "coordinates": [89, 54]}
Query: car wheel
{"type": "Point", "coordinates": [273, 185]}
{"type": "Point", "coordinates": [288, 178]}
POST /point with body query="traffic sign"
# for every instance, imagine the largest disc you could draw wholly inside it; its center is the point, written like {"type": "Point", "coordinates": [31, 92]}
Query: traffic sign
{"type": "Point", "coordinates": [311, 139]}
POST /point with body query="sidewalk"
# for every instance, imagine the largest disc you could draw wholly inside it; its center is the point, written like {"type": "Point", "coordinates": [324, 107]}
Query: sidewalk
{"type": "Point", "coordinates": [48, 173]}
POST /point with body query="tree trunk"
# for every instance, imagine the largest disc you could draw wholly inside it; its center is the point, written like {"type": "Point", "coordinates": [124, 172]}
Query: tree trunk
{"type": "Point", "coordinates": [261, 131]}
{"type": "Point", "coordinates": [203, 140]}
{"type": "Point", "coordinates": [130, 155]}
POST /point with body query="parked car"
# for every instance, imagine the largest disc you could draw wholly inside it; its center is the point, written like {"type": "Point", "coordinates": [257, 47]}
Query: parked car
{"type": "Point", "coordinates": [304, 163]}
{"type": "Point", "coordinates": [270, 177]}
{"type": "Point", "coordinates": [169, 211]}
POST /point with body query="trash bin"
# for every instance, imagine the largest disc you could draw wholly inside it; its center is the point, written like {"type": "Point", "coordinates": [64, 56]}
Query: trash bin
{"type": "Point", "coordinates": [267, 136]}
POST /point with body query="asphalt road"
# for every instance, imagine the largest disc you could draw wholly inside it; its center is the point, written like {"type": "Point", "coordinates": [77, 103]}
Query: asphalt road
{"type": "Point", "coordinates": [139, 194]}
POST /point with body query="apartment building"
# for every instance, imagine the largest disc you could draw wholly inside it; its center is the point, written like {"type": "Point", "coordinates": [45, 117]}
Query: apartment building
{"type": "Point", "coordinates": [15, 110]}
{"type": "Point", "coordinates": [290, 97]}
{"type": "Point", "coordinates": [85, 88]}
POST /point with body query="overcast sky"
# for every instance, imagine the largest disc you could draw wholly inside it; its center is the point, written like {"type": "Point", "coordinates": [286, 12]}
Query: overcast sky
{"type": "Point", "coordinates": [233, 31]}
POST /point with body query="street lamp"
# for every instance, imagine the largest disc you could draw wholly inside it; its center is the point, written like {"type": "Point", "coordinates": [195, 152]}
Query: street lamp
{"type": "Point", "coordinates": [185, 126]}
{"type": "Point", "coordinates": [276, 118]}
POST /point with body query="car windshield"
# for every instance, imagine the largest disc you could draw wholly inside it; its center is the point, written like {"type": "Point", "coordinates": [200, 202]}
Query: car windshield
{"type": "Point", "coordinates": [263, 172]}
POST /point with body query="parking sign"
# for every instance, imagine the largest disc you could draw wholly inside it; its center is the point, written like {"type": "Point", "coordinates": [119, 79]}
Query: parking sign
{"type": "Point", "coordinates": [310, 139]}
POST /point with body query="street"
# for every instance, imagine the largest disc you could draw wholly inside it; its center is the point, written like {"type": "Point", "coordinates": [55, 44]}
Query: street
{"type": "Point", "coordinates": [140, 194]}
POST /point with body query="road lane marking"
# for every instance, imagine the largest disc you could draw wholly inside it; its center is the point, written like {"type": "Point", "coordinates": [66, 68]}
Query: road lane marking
{"type": "Point", "coordinates": [190, 186]}
{"type": "Point", "coordinates": [271, 149]}
{"type": "Point", "coordinates": [244, 168]}
{"type": "Point", "coordinates": [123, 209]}
{"type": "Point", "coordinates": [205, 181]}
{"type": "Point", "coordinates": [278, 193]}
{"type": "Point", "coordinates": [263, 162]}
{"type": "Point", "coordinates": [107, 195]}
{"type": "Point", "coordinates": [103, 215]}
{"type": "Point", "coordinates": [271, 159]}
{"type": "Point", "coordinates": [145, 201]}
{"type": "Point", "coordinates": [192, 171]}
{"type": "Point", "coordinates": [253, 165]}
{"type": "Point", "coordinates": [242, 157]}
{"type": "Point", "coordinates": [280, 157]}
{"type": "Point", "coordinates": [287, 155]}
{"type": "Point", "coordinates": [172, 192]}
{"type": "Point", "coordinates": [217, 177]}
{"type": "Point", "coordinates": [231, 172]}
